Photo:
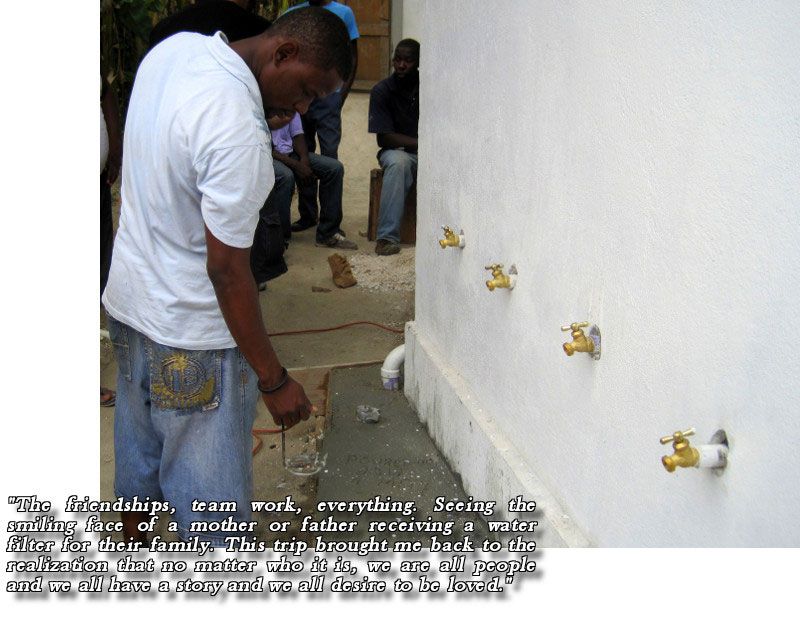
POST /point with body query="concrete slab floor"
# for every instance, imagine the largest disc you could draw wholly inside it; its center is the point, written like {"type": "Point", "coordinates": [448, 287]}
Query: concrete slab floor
{"type": "Point", "coordinates": [394, 460]}
{"type": "Point", "coordinates": [290, 304]}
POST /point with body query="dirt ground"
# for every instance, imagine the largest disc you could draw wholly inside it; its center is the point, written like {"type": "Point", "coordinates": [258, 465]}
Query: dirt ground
{"type": "Point", "coordinates": [290, 303]}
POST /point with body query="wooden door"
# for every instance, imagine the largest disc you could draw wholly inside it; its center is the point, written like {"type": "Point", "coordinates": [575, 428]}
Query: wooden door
{"type": "Point", "coordinates": [373, 18]}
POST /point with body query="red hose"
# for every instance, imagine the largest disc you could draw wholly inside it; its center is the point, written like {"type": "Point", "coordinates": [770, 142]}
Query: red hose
{"type": "Point", "coordinates": [325, 330]}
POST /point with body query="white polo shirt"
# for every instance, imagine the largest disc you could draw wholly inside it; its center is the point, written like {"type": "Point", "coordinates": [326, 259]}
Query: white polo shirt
{"type": "Point", "coordinates": [197, 153]}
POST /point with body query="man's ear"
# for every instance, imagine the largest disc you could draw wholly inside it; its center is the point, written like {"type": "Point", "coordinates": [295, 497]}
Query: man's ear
{"type": "Point", "coordinates": [287, 51]}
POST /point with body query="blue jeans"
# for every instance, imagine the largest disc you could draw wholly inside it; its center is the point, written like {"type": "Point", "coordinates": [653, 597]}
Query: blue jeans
{"type": "Point", "coordinates": [182, 428]}
{"type": "Point", "coordinates": [323, 121]}
{"type": "Point", "coordinates": [266, 253]}
{"type": "Point", "coordinates": [281, 195]}
{"type": "Point", "coordinates": [331, 179]}
{"type": "Point", "coordinates": [399, 173]}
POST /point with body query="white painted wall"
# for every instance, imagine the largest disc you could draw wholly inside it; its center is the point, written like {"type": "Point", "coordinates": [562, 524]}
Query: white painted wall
{"type": "Point", "coordinates": [639, 162]}
{"type": "Point", "coordinates": [412, 14]}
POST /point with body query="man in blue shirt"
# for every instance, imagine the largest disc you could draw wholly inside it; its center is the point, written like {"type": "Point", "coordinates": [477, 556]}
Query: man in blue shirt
{"type": "Point", "coordinates": [323, 120]}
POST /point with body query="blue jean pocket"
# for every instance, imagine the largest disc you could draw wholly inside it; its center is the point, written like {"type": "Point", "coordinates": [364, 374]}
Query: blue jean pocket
{"type": "Point", "coordinates": [184, 380]}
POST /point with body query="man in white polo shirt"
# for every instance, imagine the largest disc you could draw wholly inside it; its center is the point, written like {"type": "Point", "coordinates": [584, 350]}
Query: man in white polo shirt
{"type": "Point", "coordinates": [192, 351]}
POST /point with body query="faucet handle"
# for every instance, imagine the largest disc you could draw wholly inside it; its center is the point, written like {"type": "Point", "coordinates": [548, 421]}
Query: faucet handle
{"type": "Point", "coordinates": [677, 436]}
{"type": "Point", "coordinates": [495, 267]}
{"type": "Point", "coordinates": [574, 326]}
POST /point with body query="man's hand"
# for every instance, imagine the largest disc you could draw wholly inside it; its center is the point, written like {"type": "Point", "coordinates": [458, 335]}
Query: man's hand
{"type": "Point", "coordinates": [301, 168]}
{"type": "Point", "coordinates": [278, 118]}
{"type": "Point", "coordinates": [289, 404]}
{"type": "Point", "coordinates": [398, 140]}
{"type": "Point", "coordinates": [303, 171]}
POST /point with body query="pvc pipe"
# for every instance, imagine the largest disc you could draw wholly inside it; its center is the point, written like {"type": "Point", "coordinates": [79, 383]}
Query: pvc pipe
{"type": "Point", "coordinates": [390, 371]}
{"type": "Point", "coordinates": [714, 455]}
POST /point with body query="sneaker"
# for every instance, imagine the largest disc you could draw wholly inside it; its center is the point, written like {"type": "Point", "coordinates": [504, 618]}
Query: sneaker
{"type": "Point", "coordinates": [337, 241]}
{"type": "Point", "coordinates": [341, 232]}
{"type": "Point", "coordinates": [300, 225]}
{"type": "Point", "coordinates": [384, 247]}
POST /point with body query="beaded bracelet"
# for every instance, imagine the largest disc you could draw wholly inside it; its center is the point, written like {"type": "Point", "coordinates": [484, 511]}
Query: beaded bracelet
{"type": "Point", "coordinates": [284, 378]}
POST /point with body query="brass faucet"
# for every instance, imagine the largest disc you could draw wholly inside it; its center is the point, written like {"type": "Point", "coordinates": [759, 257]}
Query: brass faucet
{"type": "Point", "coordinates": [499, 280]}
{"type": "Point", "coordinates": [580, 342]}
{"type": "Point", "coordinates": [684, 455]}
{"type": "Point", "coordinates": [450, 239]}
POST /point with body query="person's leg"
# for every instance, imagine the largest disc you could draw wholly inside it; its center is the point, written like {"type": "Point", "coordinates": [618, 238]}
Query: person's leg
{"type": "Point", "coordinates": [137, 448]}
{"type": "Point", "coordinates": [306, 201]}
{"type": "Point", "coordinates": [106, 231]}
{"type": "Point", "coordinates": [266, 261]}
{"type": "Point", "coordinates": [266, 254]}
{"type": "Point", "coordinates": [331, 176]}
{"type": "Point", "coordinates": [258, 251]}
{"type": "Point", "coordinates": [328, 119]}
{"type": "Point", "coordinates": [399, 173]}
{"type": "Point", "coordinates": [306, 204]}
{"type": "Point", "coordinates": [309, 121]}
{"type": "Point", "coordinates": [282, 196]}
{"type": "Point", "coordinates": [203, 407]}
{"type": "Point", "coordinates": [322, 121]}
{"type": "Point", "coordinates": [107, 396]}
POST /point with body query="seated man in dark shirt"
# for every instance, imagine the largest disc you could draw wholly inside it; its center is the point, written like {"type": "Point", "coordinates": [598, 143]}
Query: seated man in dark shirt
{"type": "Point", "coordinates": [394, 116]}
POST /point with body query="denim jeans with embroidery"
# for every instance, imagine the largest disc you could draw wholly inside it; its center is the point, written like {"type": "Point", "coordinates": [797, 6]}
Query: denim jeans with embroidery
{"type": "Point", "coordinates": [182, 428]}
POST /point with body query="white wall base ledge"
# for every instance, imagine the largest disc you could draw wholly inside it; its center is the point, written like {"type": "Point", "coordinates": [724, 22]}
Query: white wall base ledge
{"type": "Point", "coordinates": [468, 437]}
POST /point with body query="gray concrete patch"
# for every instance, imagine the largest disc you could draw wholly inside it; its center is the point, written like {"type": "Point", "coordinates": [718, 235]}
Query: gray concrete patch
{"type": "Point", "coordinates": [392, 459]}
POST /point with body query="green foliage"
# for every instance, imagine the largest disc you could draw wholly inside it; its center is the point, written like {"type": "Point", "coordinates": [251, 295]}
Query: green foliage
{"type": "Point", "coordinates": [125, 29]}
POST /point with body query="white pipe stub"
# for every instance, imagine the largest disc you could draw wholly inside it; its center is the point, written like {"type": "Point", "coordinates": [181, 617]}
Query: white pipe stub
{"type": "Point", "coordinates": [390, 371]}
{"type": "Point", "coordinates": [714, 456]}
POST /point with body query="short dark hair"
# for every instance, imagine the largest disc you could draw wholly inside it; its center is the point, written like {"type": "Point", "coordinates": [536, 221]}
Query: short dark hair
{"type": "Point", "coordinates": [411, 44]}
{"type": "Point", "coordinates": [324, 40]}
